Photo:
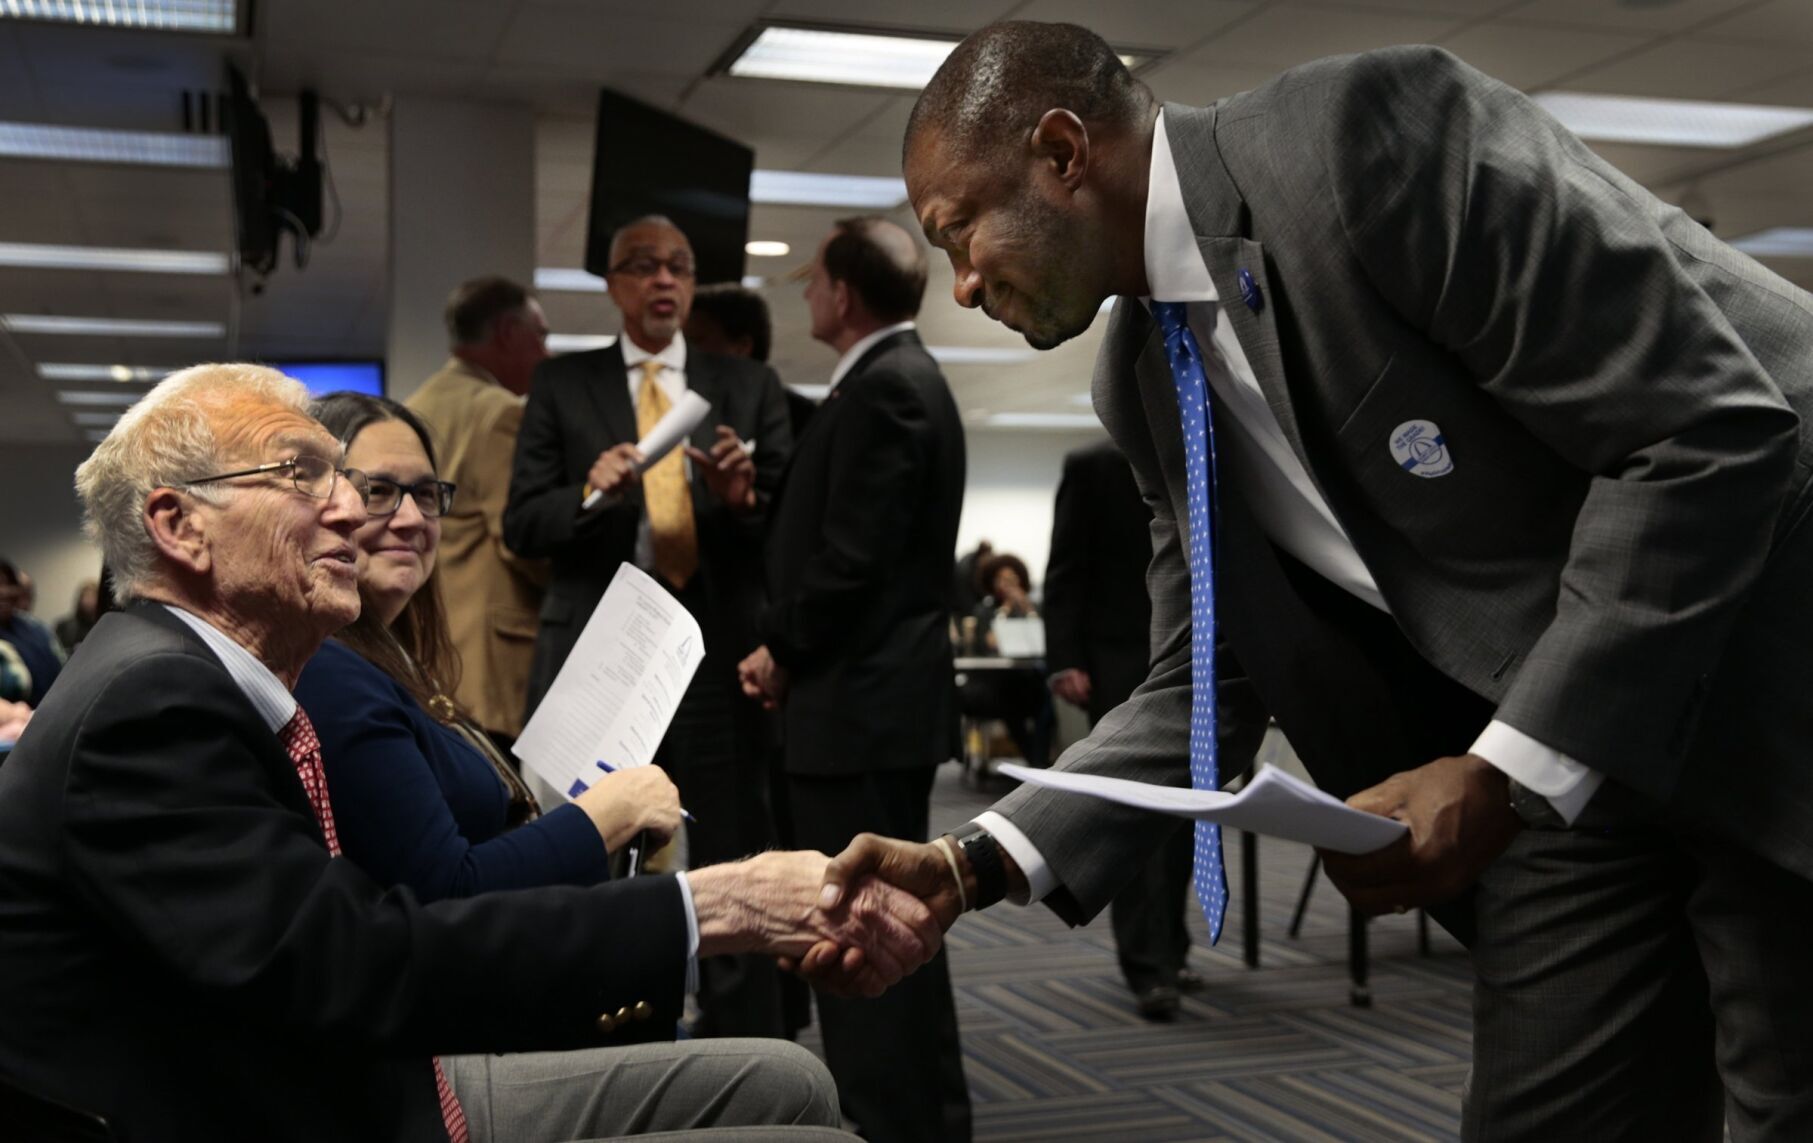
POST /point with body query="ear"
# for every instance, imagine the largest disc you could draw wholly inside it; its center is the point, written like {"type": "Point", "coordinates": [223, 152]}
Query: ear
{"type": "Point", "coordinates": [1062, 143]}
{"type": "Point", "coordinates": [178, 530]}
{"type": "Point", "coordinates": [842, 299]}
{"type": "Point", "coordinates": [744, 346]}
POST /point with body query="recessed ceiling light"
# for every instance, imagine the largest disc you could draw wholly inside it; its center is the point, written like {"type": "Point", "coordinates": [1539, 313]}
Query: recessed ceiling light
{"type": "Point", "coordinates": [216, 16]}
{"type": "Point", "coordinates": [762, 248]}
{"type": "Point", "coordinates": [39, 257]}
{"type": "Point", "coordinates": [569, 279]}
{"type": "Point", "coordinates": [95, 397]}
{"type": "Point", "coordinates": [1670, 122]}
{"type": "Point", "coordinates": [806, 188]}
{"type": "Point", "coordinates": [859, 58]}
{"type": "Point", "coordinates": [577, 342]}
{"type": "Point", "coordinates": [980, 354]}
{"type": "Point", "coordinates": [61, 371]}
{"type": "Point", "coordinates": [1779, 242]}
{"type": "Point", "coordinates": [110, 327]}
{"type": "Point", "coordinates": [98, 145]}
{"type": "Point", "coordinates": [1042, 421]}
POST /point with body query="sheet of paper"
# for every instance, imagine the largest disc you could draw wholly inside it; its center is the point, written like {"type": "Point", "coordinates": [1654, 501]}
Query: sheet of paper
{"type": "Point", "coordinates": [1020, 638]}
{"type": "Point", "coordinates": [1274, 803]}
{"type": "Point", "coordinates": [619, 689]}
{"type": "Point", "coordinates": [675, 426]}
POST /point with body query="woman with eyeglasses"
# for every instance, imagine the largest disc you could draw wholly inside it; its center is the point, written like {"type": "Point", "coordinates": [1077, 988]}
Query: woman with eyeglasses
{"type": "Point", "coordinates": [421, 797]}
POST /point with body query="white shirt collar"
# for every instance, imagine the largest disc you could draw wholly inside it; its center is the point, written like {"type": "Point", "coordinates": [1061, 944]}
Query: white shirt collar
{"type": "Point", "coordinates": [854, 354]}
{"type": "Point", "coordinates": [1174, 266]}
{"type": "Point", "coordinates": [673, 357]}
{"type": "Point", "coordinates": [264, 690]}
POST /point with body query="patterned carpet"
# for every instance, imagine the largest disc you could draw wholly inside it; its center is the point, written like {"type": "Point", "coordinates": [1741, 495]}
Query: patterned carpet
{"type": "Point", "coordinates": [1055, 1051]}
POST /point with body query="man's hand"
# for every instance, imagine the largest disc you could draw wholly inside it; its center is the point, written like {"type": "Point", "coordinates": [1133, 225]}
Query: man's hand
{"type": "Point", "coordinates": [1460, 818]}
{"type": "Point", "coordinates": [1072, 686]}
{"type": "Point", "coordinates": [728, 469]}
{"type": "Point", "coordinates": [763, 679]}
{"type": "Point", "coordinates": [615, 469]}
{"type": "Point", "coordinates": [775, 903]}
{"type": "Point", "coordinates": [917, 868]}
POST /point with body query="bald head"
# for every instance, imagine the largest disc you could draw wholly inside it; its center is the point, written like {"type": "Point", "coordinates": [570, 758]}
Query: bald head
{"type": "Point", "coordinates": [997, 84]}
{"type": "Point", "coordinates": [881, 264]}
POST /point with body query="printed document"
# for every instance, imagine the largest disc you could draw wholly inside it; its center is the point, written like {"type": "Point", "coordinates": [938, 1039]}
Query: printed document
{"type": "Point", "coordinates": [618, 690]}
{"type": "Point", "coordinates": [1274, 803]}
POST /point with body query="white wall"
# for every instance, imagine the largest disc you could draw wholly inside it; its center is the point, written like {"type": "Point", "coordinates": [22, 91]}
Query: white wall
{"type": "Point", "coordinates": [41, 526]}
{"type": "Point", "coordinates": [1013, 481]}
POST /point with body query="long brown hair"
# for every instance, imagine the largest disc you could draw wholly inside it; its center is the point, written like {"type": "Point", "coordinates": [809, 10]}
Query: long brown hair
{"type": "Point", "coordinates": [417, 648]}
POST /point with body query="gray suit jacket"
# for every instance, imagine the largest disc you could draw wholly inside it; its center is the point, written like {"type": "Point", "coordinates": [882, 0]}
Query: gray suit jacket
{"type": "Point", "coordinates": [1616, 558]}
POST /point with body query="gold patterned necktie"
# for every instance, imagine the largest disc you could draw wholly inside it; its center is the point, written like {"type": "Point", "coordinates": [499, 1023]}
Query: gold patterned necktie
{"type": "Point", "coordinates": [665, 490]}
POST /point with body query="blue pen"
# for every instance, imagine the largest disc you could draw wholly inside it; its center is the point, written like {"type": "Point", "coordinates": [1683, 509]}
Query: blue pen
{"type": "Point", "coordinates": [610, 769]}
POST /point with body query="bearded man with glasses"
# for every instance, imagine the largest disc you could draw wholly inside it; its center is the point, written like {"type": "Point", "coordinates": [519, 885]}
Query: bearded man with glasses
{"type": "Point", "coordinates": [581, 497]}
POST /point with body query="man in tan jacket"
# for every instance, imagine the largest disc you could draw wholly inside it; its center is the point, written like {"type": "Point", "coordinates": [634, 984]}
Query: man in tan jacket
{"type": "Point", "coordinates": [474, 406]}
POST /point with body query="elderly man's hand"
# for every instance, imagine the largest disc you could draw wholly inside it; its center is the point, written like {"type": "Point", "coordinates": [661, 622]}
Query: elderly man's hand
{"type": "Point", "coordinates": [763, 679]}
{"type": "Point", "coordinates": [728, 469]}
{"type": "Point", "coordinates": [1460, 818]}
{"type": "Point", "coordinates": [615, 469]}
{"type": "Point", "coordinates": [776, 903]}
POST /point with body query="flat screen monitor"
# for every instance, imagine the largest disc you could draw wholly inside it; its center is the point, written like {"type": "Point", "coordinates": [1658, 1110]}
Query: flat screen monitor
{"type": "Point", "coordinates": [324, 377]}
{"type": "Point", "coordinates": [646, 161]}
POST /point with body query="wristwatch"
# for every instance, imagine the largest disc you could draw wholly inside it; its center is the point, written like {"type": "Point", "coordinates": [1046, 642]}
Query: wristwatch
{"type": "Point", "coordinates": [984, 854]}
{"type": "Point", "coordinates": [1535, 810]}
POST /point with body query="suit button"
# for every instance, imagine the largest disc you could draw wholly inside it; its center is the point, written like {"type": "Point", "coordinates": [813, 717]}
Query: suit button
{"type": "Point", "coordinates": [643, 1010]}
{"type": "Point", "coordinates": [607, 1023]}
{"type": "Point", "coordinates": [623, 1015]}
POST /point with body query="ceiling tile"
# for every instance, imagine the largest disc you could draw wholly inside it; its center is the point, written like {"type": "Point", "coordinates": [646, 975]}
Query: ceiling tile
{"type": "Point", "coordinates": [1288, 34]}
{"type": "Point", "coordinates": [1793, 91]}
{"type": "Point", "coordinates": [552, 41]}
{"type": "Point", "coordinates": [1623, 16]}
{"type": "Point", "coordinates": [1776, 22]}
{"type": "Point", "coordinates": [742, 108]}
{"type": "Point", "coordinates": [443, 29]}
{"type": "Point", "coordinates": [924, 15]}
{"type": "Point", "coordinates": [1200, 84]}
{"type": "Point", "coordinates": [1692, 69]}
{"type": "Point", "coordinates": [1528, 56]}
{"type": "Point", "coordinates": [1141, 25]}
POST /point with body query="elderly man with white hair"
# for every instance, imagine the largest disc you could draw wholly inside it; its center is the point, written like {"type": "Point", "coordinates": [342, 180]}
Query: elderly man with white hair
{"type": "Point", "coordinates": [181, 950]}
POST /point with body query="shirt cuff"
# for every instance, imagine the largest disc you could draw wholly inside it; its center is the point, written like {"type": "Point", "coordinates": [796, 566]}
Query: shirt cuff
{"type": "Point", "coordinates": [1039, 877]}
{"type": "Point", "coordinates": [1568, 785]}
{"type": "Point", "coordinates": [692, 935]}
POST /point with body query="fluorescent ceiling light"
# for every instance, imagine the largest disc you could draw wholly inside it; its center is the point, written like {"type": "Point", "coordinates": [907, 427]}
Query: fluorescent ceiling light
{"type": "Point", "coordinates": [110, 327]}
{"type": "Point", "coordinates": [804, 188]}
{"type": "Point", "coordinates": [754, 281]}
{"type": "Point", "coordinates": [816, 392]}
{"type": "Point", "coordinates": [1042, 421]}
{"type": "Point", "coordinates": [762, 248]}
{"type": "Point", "coordinates": [98, 145]}
{"type": "Point", "coordinates": [980, 354]}
{"type": "Point", "coordinates": [1779, 242]}
{"type": "Point", "coordinates": [40, 257]}
{"type": "Point", "coordinates": [1670, 122]}
{"type": "Point", "coordinates": [112, 397]}
{"type": "Point", "coordinates": [218, 16]}
{"type": "Point", "coordinates": [864, 59]}
{"type": "Point", "coordinates": [570, 279]}
{"type": "Point", "coordinates": [575, 342]}
{"type": "Point", "coordinates": [95, 420]}
{"type": "Point", "coordinates": [60, 371]}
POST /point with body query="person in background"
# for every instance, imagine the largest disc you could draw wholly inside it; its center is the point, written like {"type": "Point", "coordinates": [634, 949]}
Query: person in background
{"type": "Point", "coordinates": [966, 583]}
{"type": "Point", "coordinates": [421, 796]}
{"type": "Point", "coordinates": [1017, 697]}
{"type": "Point", "coordinates": [35, 646]}
{"type": "Point", "coordinates": [474, 407]}
{"type": "Point", "coordinates": [733, 320]}
{"type": "Point", "coordinates": [74, 627]}
{"type": "Point", "coordinates": [854, 647]}
{"type": "Point", "coordinates": [695, 522]}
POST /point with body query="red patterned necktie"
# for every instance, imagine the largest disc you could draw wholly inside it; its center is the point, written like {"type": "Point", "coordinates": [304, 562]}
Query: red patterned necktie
{"type": "Point", "coordinates": [298, 737]}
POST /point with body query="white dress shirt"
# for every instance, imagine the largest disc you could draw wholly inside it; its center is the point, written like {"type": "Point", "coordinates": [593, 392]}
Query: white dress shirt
{"type": "Point", "coordinates": [854, 354]}
{"type": "Point", "coordinates": [276, 706]}
{"type": "Point", "coordinates": [1285, 499]}
{"type": "Point", "coordinates": [672, 381]}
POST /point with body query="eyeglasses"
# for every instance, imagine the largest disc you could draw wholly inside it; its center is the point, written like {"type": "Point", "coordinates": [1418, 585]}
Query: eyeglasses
{"type": "Point", "coordinates": [432, 497]}
{"type": "Point", "coordinates": [647, 266]}
{"type": "Point", "coordinates": [312, 475]}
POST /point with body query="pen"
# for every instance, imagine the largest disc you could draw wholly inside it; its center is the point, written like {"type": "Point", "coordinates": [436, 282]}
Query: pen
{"type": "Point", "coordinates": [610, 769]}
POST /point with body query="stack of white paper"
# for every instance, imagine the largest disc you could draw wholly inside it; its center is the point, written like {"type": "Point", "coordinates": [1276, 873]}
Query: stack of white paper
{"type": "Point", "coordinates": [681, 418]}
{"type": "Point", "coordinates": [1274, 803]}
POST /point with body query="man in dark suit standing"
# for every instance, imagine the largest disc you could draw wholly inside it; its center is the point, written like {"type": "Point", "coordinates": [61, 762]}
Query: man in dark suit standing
{"type": "Point", "coordinates": [1098, 621]}
{"type": "Point", "coordinates": [1507, 522]}
{"type": "Point", "coordinates": [856, 644]}
{"type": "Point", "coordinates": [183, 950]}
{"type": "Point", "coordinates": [695, 521]}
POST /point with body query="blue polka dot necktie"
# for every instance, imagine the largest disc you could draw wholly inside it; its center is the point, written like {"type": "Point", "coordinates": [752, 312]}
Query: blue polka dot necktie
{"type": "Point", "coordinates": [1192, 381]}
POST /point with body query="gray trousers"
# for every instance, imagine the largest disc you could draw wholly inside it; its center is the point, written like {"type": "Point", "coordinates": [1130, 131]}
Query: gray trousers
{"type": "Point", "coordinates": [1637, 981]}
{"type": "Point", "coordinates": [717, 1090]}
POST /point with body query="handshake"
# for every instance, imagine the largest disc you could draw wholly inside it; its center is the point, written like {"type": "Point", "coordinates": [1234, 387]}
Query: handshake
{"type": "Point", "coordinates": [853, 926]}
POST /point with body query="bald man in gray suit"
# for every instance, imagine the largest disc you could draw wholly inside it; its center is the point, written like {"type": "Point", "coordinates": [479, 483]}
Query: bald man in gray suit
{"type": "Point", "coordinates": [1511, 540]}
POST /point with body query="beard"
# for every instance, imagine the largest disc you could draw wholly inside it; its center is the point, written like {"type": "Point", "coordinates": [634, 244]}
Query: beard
{"type": "Point", "coordinates": [1057, 308]}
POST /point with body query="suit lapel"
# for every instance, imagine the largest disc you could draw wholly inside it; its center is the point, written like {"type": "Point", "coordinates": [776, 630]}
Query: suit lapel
{"type": "Point", "coordinates": [610, 396]}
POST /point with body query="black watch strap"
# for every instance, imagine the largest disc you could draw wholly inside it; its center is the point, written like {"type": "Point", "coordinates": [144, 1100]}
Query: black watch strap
{"type": "Point", "coordinates": [984, 854]}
